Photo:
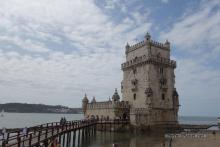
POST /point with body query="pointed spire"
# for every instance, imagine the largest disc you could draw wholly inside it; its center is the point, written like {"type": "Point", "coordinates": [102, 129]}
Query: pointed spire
{"type": "Point", "coordinates": [85, 99]}
{"type": "Point", "coordinates": [127, 48]}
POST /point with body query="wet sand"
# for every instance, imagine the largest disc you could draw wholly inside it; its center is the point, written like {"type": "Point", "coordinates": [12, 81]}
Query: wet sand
{"type": "Point", "coordinates": [208, 140]}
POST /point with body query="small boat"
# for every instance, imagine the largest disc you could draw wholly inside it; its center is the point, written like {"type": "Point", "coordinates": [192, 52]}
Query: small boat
{"type": "Point", "coordinates": [2, 113]}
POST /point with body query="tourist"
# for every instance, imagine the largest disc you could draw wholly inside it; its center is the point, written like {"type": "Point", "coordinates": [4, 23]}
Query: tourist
{"type": "Point", "coordinates": [61, 121]}
{"type": "Point", "coordinates": [64, 120]}
{"type": "Point", "coordinates": [4, 135]}
{"type": "Point", "coordinates": [24, 131]}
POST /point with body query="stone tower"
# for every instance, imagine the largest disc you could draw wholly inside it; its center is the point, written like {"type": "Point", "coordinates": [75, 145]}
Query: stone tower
{"type": "Point", "coordinates": [85, 102]}
{"type": "Point", "coordinates": [149, 83]}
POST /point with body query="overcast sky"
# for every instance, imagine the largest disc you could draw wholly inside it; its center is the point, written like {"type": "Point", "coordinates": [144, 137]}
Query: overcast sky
{"type": "Point", "coordinates": [54, 51]}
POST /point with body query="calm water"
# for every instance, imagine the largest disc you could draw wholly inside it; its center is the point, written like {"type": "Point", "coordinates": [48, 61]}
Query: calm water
{"type": "Point", "coordinates": [19, 120]}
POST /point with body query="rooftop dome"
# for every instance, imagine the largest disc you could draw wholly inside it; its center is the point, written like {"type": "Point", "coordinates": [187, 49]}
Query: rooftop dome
{"type": "Point", "coordinates": [93, 100]}
{"type": "Point", "coordinates": [115, 96]}
{"type": "Point", "coordinates": [147, 36]}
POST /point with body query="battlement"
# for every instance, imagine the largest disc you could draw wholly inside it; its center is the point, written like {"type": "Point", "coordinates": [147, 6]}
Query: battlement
{"type": "Point", "coordinates": [100, 105]}
{"type": "Point", "coordinates": [140, 111]}
{"type": "Point", "coordinates": [130, 48]}
{"type": "Point", "coordinates": [148, 60]}
{"type": "Point", "coordinates": [108, 105]}
{"type": "Point", "coordinates": [122, 104]}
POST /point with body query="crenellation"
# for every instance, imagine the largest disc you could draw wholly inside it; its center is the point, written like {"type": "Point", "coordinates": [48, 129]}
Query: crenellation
{"type": "Point", "coordinates": [135, 46]}
{"type": "Point", "coordinates": [165, 46]}
{"type": "Point", "coordinates": [148, 59]}
{"type": "Point", "coordinates": [160, 45]}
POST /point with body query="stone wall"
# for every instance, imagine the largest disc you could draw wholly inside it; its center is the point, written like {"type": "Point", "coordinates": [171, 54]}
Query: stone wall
{"type": "Point", "coordinates": [148, 68]}
{"type": "Point", "coordinates": [107, 110]}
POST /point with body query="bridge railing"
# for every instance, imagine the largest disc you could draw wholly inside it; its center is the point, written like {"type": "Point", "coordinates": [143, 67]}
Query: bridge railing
{"type": "Point", "coordinates": [39, 133]}
{"type": "Point", "coordinates": [43, 130]}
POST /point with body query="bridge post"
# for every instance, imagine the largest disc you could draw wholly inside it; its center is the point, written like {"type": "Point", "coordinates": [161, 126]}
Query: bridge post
{"type": "Point", "coordinates": [19, 141]}
{"type": "Point", "coordinates": [105, 126]}
{"type": "Point", "coordinates": [30, 139]}
{"type": "Point", "coordinates": [74, 137]}
{"type": "Point", "coordinates": [64, 138]}
{"type": "Point", "coordinates": [39, 133]}
{"type": "Point", "coordinates": [46, 131]}
{"type": "Point", "coordinates": [3, 143]}
{"type": "Point", "coordinates": [83, 132]}
{"type": "Point", "coordinates": [52, 129]}
{"type": "Point", "coordinates": [67, 139]}
{"type": "Point", "coordinates": [78, 137]}
{"type": "Point", "coordinates": [95, 129]}
{"type": "Point", "coordinates": [110, 126]}
{"type": "Point", "coordinates": [70, 136]}
{"type": "Point", "coordinates": [46, 142]}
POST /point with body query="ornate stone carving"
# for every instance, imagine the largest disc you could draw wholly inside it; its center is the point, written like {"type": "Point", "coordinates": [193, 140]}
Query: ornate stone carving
{"type": "Point", "coordinates": [149, 92]}
{"type": "Point", "coordinates": [134, 83]}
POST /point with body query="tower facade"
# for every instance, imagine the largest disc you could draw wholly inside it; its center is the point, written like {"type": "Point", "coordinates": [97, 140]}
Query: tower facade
{"type": "Point", "coordinates": [149, 83]}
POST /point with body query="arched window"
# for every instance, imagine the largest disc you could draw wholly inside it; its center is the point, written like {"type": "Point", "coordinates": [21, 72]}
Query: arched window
{"type": "Point", "coordinates": [161, 70]}
{"type": "Point", "coordinates": [163, 96]}
{"type": "Point", "coordinates": [134, 96]}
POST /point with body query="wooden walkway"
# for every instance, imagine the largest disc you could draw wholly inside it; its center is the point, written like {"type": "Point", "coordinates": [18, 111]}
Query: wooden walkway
{"type": "Point", "coordinates": [69, 134]}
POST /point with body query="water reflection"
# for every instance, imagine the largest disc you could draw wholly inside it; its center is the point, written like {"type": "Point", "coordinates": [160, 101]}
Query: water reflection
{"type": "Point", "coordinates": [107, 139]}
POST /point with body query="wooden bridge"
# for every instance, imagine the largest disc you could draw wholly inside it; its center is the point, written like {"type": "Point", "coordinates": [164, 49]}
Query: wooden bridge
{"type": "Point", "coordinates": [70, 133]}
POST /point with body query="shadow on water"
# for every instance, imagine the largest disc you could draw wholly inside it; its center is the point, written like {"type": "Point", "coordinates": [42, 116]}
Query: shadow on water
{"type": "Point", "coordinates": [107, 139]}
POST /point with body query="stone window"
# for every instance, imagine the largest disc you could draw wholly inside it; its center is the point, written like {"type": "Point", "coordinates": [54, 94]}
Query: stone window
{"type": "Point", "coordinates": [161, 70]}
{"type": "Point", "coordinates": [163, 96]}
{"type": "Point", "coordinates": [134, 96]}
{"type": "Point", "coordinates": [134, 82]}
{"type": "Point", "coordinates": [163, 81]}
{"type": "Point", "coordinates": [134, 70]}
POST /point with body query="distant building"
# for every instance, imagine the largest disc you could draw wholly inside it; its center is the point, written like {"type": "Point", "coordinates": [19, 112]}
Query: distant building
{"type": "Point", "coordinates": [149, 96]}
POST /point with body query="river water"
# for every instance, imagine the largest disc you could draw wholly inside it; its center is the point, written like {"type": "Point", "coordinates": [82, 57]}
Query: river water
{"type": "Point", "coordinates": [19, 120]}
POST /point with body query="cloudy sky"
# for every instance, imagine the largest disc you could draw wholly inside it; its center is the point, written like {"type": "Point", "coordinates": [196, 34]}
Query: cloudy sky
{"type": "Point", "coordinates": [54, 51]}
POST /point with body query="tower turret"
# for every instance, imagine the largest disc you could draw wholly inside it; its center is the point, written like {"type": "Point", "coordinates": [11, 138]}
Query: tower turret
{"type": "Point", "coordinates": [115, 96]}
{"type": "Point", "coordinates": [127, 48]}
{"type": "Point", "coordinates": [93, 100]}
{"type": "Point", "coordinates": [85, 101]}
{"type": "Point", "coordinates": [147, 37]}
{"type": "Point", "coordinates": [167, 44]}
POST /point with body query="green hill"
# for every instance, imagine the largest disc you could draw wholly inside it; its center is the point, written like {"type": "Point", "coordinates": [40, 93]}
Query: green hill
{"type": "Point", "coordinates": [37, 108]}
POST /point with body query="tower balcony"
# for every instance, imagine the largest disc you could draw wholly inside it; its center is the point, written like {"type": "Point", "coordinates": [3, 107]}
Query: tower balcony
{"type": "Point", "coordinates": [148, 60]}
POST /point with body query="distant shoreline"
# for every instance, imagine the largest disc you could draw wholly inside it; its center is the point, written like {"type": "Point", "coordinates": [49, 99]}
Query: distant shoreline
{"type": "Point", "coordinates": [37, 108]}
{"type": "Point", "coordinates": [43, 112]}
